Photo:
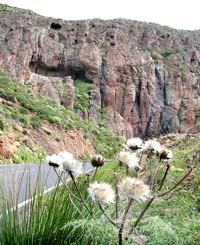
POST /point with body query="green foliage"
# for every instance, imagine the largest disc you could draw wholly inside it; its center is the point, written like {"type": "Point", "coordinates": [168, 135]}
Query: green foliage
{"type": "Point", "coordinates": [35, 121]}
{"type": "Point", "coordinates": [124, 88]}
{"type": "Point", "coordinates": [166, 52]}
{"type": "Point", "coordinates": [155, 55]}
{"type": "Point", "coordinates": [104, 116]}
{"type": "Point", "coordinates": [41, 224]}
{"type": "Point", "coordinates": [61, 46]}
{"type": "Point", "coordinates": [197, 114]}
{"type": "Point", "coordinates": [25, 155]}
{"type": "Point", "coordinates": [23, 110]}
{"type": "Point", "coordinates": [102, 232]}
{"type": "Point", "coordinates": [159, 232]}
{"type": "Point", "coordinates": [2, 124]}
{"type": "Point", "coordinates": [104, 142]}
{"type": "Point", "coordinates": [14, 10]}
{"type": "Point", "coordinates": [33, 109]}
{"type": "Point", "coordinates": [52, 219]}
{"type": "Point", "coordinates": [83, 87]}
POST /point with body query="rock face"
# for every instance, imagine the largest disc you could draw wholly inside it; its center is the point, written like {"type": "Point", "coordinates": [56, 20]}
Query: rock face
{"type": "Point", "coordinates": [147, 76]}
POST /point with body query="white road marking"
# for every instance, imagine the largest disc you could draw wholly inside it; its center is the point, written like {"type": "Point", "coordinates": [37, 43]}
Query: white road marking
{"type": "Point", "coordinates": [22, 204]}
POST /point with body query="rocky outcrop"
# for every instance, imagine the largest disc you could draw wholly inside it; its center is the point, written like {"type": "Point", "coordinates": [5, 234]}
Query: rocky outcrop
{"type": "Point", "coordinates": [147, 76]}
{"type": "Point", "coordinates": [51, 139]}
{"type": "Point", "coordinates": [58, 140]}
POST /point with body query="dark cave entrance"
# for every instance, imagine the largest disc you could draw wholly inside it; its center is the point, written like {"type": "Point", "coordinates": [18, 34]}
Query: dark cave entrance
{"type": "Point", "coordinates": [59, 71]}
{"type": "Point", "coordinates": [55, 26]}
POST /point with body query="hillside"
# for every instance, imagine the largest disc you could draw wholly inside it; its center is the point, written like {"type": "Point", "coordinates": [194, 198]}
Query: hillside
{"type": "Point", "coordinates": [146, 76]}
{"type": "Point", "coordinates": [85, 87]}
{"type": "Point", "coordinates": [171, 219]}
{"type": "Point", "coordinates": [69, 83]}
{"type": "Point", "coordinates": [32, 126]}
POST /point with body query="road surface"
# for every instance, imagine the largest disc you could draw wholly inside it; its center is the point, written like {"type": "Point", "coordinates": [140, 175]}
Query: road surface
{"type": "Point", "coordinates": [16, 178]}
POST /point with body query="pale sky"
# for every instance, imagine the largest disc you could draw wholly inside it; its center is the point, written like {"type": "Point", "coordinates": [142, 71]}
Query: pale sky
{"type": "Point", "coordinates": [180, 14]}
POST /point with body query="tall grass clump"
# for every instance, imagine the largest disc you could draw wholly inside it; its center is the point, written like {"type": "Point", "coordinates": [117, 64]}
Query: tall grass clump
{"type": "Point", "coordinates": [121, 202]}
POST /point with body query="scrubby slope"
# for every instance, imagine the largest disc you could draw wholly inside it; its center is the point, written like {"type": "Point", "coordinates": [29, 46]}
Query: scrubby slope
{"type": "Point", "coordinates": [146, 75]}
{"type": "Point", "coordinates": [32, 125]}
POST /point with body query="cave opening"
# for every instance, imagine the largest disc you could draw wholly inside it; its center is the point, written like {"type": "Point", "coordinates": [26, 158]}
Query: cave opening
{"type": "Point", "coordinates": [56, 26]}
{"type": "Point", "coordinates": [59, 71]}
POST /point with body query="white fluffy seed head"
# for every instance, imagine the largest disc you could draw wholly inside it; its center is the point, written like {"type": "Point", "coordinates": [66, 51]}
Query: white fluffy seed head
{"type": "Point", "coordinates": [152, 146]}
{"type": "Point", "coordinates": [133, 161]}
{"type": "Point", "coordinates": [122, 156]}
{"type": "Point", "coordinates": [54, 160]}
{"type": "Point", "coordinates": [135, 188]}
{"type": "Point", "coordinates": [101, 192]}
{"type": "Point", "coordinates": [73, 165]}
{"type": "Point", "coordinates": [169, 154]}
{"type": "Point", "coordinates": [66, 161]}
{"type": "Point", "coordinates": [130, 159]}
{"type": "Point", "coordinates": [135, 143]}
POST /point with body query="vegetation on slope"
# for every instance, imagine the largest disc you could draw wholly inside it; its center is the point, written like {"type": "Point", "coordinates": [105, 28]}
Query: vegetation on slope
{"type": "Point", "coordinates": [174, 219]}
{"type": "Point", "coordinates": [32, 110]}
{"type": "Point", "coordinates": [14, 10]}
{"type": "Point", "coordinates": [83, 88]}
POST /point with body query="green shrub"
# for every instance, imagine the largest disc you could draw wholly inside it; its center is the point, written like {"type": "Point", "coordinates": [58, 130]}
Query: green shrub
{"type": "Point", "coordinates": [36, 121]}
{"type": "Point", "coordinates": [83, 87]}
{"type": "Point", "coordinates": [197, 114]}
{"type": "Point", "coordinates": [23, 110]}
{"type": "Point", "coordinates": [1, 124]}
{"type": "Point", "coordinates": [159, 232]}
{"type": "Point", "coordinates": [44, 108]}
{"type": "Point", "coordinates": [167, 52]}
{"type": "Point", "coordinates": [25, 155]}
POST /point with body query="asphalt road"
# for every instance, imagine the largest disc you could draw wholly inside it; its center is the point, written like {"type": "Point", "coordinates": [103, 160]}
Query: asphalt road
{"type": "Point", "coordinates": [17, 179]}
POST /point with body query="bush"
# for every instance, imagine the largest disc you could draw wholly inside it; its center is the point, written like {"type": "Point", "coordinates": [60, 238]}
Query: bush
{"type": "Point", "coordinates": [159, 232]}
{"type": "Point", "coordinates": [42, 107]}
{"type": "Point", "coordinates": [23, 110]}
{"type": "Point", "coordinates": [167, 52]}
{"type": "Point", "coordinates": [1, 124]}
{"type": "Point", "coordinates": [83, 87]}
{"type": "Point", "coordinates": [197, 114]}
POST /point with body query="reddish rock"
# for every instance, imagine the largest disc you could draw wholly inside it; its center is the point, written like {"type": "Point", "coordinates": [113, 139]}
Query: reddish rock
{"type": "Point", "coordinates": [72, 141]}
{"type": "Point", "coordinates": [146, 75]}
{"type": "Point", "coordinates": [68, 98]}
{"type": "Point", "coordinates": [194, 130]}
{"type": "Point", "coordinates": [7, 149]}
{"type": "Point", "coordinates": [18, 127]}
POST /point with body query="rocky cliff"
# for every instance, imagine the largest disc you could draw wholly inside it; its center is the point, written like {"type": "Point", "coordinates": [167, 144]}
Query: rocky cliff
{"type": "Point", "coordinates": [146, 76]}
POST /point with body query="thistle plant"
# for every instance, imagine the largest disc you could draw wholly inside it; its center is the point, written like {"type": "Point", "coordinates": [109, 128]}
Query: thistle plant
{"type": "Point", "coordinates": [97, 161]}
{"type": "Point", "coordinates": [116, 202]}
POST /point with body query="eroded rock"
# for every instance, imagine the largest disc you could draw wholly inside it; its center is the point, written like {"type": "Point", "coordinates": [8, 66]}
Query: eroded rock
{"type": "Point", "coordinates": [146, 75]}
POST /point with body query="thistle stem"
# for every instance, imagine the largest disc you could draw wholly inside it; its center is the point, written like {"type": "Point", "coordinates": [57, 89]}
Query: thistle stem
{"type": "Point", "coordinates": [95, 172]}
{"type": "Point", "coordinates": [150, 200]}
{"type": "Point", "coordinates": [152, 181]}
{"type": "Point", "coordinates": [178, 183]}
{"type": "Point", "coordinates": [78, 210]}
{"type": "Point", "coordinates": [106, 215]}
{"type": "Point", "coordinates": [121, 228]}
{"type": "Point", "coordinates": [116, 196]}
{"type": "Point", "coordinates": [164, 177]}
{"type": "Point", "coordinates": [142, 214]}
{"type": "Point", "coordinates": [79, 193]}
{"type": "Point", "coordinates": [160, 195]}
{"type": "Point", "coordinates": [90, 204]}
{"type": "Point", "coordinates": [67, 188]}
{"type": "Point", "coordinates": [127, 170]}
